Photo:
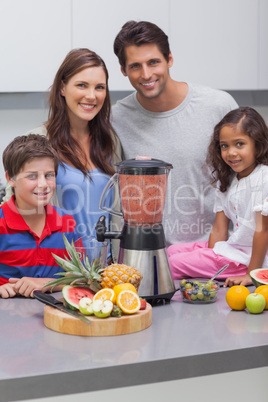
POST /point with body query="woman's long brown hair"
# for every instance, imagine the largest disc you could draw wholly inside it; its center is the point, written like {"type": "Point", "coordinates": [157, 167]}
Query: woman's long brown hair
{"type": "Point", "coordinates": [250, 123]}
{"type": "Point", "coordinates": [102, 135]}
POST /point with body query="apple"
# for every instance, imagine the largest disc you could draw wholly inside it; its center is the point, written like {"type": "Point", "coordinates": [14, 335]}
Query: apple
{"type": "Point", "coordinates": [86, 306]}
{"type": "Point", "coordinates": [102, 308]}
{"type": "Point", "coordinates": [255, 303]}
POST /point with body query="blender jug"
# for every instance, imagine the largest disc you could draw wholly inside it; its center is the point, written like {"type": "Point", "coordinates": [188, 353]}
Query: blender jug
{"type": "Point", "coordinates": [142, 187]}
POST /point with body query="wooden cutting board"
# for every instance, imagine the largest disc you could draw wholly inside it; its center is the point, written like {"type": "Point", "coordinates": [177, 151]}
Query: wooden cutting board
{"type": "Point", "coordinates": [61, 322]}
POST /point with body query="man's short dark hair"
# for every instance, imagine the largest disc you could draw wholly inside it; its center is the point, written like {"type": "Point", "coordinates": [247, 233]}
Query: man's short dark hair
{"type": "Point", "coordinates": [137, 34]}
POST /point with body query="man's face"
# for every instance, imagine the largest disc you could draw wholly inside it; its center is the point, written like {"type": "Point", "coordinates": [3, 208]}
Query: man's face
{"type": "Point", "coordinates": [147, 69]}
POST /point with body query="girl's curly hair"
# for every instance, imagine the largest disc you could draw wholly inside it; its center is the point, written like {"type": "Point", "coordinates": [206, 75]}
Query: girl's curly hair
{"type": "Point", "coordinates": [250, 123]}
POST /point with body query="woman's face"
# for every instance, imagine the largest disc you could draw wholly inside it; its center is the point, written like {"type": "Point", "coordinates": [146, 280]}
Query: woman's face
{"type": "Point", "coordinates": [85, 93]}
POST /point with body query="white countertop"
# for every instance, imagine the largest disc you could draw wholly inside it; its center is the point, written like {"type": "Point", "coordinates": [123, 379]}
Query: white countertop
{"type": "Point", "coordinates": [183, 341]}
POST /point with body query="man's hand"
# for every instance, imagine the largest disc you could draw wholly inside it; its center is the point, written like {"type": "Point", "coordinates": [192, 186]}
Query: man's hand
{"type": "Point", "coordinates": [243, 280]}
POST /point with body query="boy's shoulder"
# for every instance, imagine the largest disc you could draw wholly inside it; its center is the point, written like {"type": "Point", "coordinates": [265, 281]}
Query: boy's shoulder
{"type": "Point", "coordinates": [59, 218]}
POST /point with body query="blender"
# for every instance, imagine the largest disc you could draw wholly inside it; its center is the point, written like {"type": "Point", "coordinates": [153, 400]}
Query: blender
{"type": "Point", "coordinates": [142, 186]}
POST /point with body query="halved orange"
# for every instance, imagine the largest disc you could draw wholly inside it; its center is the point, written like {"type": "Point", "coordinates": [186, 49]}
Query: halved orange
{"type": "Point", "coordinates": [105, 294]}
{"type": "Point", "coordinates": [128, 301]}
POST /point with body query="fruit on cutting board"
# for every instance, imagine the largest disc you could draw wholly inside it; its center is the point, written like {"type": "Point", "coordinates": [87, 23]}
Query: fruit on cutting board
{"type": "Point", "coordinates": [116, 274]}
{"type": "Point", "coordinates": [143, 304]}
{"type": "Point", "coordinates": [73, 294]}
{"type": "Point", "coordinates": [92, 274]}
{"type": "Point", "coordinates": [102, 308]}
{"type": "Point", "coordinates": [259, 276]}
{"type": "Point", "coordinates": [263, 290]}
{"type": "Point", "coordinates": [236, 297]}
{"type": "Point", "coordinates": [86, 306]}
{"type": "Point", "coordinates": [116, 311]}
{"type": "Point", "coordinates": [255, 303]}
{"type": "Point", "coordinates": [105, 294]}
{"type": "Point", "coordinates": [123, 286]}
{"type": "Point", "coordinates": [128, 301]}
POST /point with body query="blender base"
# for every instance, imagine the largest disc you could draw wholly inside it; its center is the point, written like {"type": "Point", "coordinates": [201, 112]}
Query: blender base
{"type": "Point", "coordinates": [157, 286]}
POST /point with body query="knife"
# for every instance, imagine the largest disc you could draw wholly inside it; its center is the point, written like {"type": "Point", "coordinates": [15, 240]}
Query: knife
{"type": "Point", "coordinates": [51, 301]}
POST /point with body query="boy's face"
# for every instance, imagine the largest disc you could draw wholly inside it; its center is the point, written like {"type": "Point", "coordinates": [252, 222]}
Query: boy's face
{"type": "Point", "coordinates": [34, 185]}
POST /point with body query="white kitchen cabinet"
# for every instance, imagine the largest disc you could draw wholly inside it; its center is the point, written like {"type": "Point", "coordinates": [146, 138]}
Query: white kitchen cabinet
{"type": "Point", "coordinates": [216, 42]}
{"type": "Point", "coordinates": [35, 36]}
{"type": "Point", "coordinates": [263, 50]}
{"type": "Point", "coordinates": [220, 43]}
{"type": "Point", "coordinates": [96, 24]}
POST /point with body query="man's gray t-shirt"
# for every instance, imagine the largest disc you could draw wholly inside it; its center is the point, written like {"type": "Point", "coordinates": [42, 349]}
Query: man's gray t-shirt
{"type": "Point", "coordinates": [181, 137]}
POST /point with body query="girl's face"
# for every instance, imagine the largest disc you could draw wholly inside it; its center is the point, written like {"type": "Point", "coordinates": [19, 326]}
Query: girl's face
{"type": "Point", "coordinates": [85, 93]}
{"type": "Point", "coordinates": [237, 150]}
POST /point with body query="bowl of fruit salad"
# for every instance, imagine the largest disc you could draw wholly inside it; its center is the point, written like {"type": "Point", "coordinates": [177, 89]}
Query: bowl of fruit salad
{"type": "Point", "coordinates": [199, 290]}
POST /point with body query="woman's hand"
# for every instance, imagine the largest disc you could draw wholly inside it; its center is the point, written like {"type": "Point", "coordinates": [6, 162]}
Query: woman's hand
{"type": "Point", "coordinates": [242, 280]}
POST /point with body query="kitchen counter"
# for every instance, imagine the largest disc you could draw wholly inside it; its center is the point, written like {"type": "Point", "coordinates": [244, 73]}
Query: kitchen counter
{"type": "Point", "coordinates": [184, 341]}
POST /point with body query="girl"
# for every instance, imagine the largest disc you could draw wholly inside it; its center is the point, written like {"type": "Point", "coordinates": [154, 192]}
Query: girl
{"type": "Point", "coordinates": [238, 154]}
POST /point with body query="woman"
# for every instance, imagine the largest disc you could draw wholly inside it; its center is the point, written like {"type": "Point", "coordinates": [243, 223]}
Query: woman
{"type": "Point", "coordinates": [79, 129]}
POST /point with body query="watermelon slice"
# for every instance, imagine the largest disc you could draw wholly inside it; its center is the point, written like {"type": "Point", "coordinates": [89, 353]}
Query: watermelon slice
{"type": "Point", "coordinates": [72, 295]}
{"type": "Point", "coordinates": [259, 276]}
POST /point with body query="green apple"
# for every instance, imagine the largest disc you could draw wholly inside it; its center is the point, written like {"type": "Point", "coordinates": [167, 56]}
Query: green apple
{"type": "Point", "coordinates": [85, 306]}
{"type": "Point", "coordinates": [102, 308]}
{"type": "Point", "coordinates": [255, 303]}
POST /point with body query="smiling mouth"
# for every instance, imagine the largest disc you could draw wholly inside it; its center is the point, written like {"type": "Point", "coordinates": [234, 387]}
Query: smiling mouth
{"type": "Point", "coordinates": [149, 84]}
{"type": "Point", "coordinates": [42, 194]}
{"type": "Point", "coordinates": [87, 107]}
{"type": "Point", "coordinates": [235, 162]}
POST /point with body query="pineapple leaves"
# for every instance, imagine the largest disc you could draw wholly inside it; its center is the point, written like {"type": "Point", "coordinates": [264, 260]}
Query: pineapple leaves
{"type": "Point", "coordinates": [77, 272]}
{"type": "Point", "coordinates": [59, 281]}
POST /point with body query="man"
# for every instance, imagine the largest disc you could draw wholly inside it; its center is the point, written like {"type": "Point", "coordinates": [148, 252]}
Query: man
{"type": "Point", "coordinates": [172, 121]}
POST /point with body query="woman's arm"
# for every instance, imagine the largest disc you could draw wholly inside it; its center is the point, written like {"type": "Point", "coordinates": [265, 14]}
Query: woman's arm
{"type": "Point", "coordinates": [219, 231]}
{"type": "Point", "coordinates": [259, 250]}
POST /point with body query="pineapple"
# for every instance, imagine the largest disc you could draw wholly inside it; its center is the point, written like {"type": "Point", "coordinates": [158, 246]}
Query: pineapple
{"type": "Point", "coordinates": [92, 274]}
{"type": "Point", "coordinates": [115, 274]}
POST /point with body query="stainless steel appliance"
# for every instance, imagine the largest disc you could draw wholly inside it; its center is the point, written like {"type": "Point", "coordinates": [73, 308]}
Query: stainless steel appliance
{"type": "Point", "coordinates": [142, 185]}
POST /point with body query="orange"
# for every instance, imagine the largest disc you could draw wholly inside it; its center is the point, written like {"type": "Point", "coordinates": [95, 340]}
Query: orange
{"type": "Point", "coordinates": [263, 290]}
{"type": "Point", "coordinates": [128, 301]}
{"type": "Point", "coordinates": [236, 297]}
{"type": "Point", "coordinates": [123, 286]}
{"type": "Point", "coordinates": [105, 294]}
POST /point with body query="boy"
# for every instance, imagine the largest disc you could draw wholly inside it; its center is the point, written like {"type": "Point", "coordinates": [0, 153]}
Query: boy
{"type": "Point", "coordinates": [30, 228]}
{"type": "Point", "coordinates": [172, 121]}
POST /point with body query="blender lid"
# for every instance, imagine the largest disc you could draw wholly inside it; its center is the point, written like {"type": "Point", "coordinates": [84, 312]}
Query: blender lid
{"type": "Point", "coordinates": [143, 162]}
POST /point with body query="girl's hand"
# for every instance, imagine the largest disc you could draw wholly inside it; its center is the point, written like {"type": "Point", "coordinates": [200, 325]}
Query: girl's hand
{"type": "Point", "coordinates": [243, 280]}
{"type": "Point", "coordinates": [7, 290]}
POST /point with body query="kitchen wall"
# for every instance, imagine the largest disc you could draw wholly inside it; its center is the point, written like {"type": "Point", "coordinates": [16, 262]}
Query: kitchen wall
{"type": "Point", "coordinates": [212, 41]}
{"type": "Point", "coordinates": [21, 112]}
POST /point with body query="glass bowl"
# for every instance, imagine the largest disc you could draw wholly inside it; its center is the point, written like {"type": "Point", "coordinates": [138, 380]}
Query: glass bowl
{"type": "Point", "coordinates": [199, 290]}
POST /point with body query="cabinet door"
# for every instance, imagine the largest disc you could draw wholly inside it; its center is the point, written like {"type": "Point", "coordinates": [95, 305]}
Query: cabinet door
{"type": "Point", "coordinates": [35, 37]}
{"type": "Point", "coordinates": [263, 67]}
{"type": "Point", "coordinates": [215, 43]}
{"type": "Point", "coordinates": [96, 24]}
